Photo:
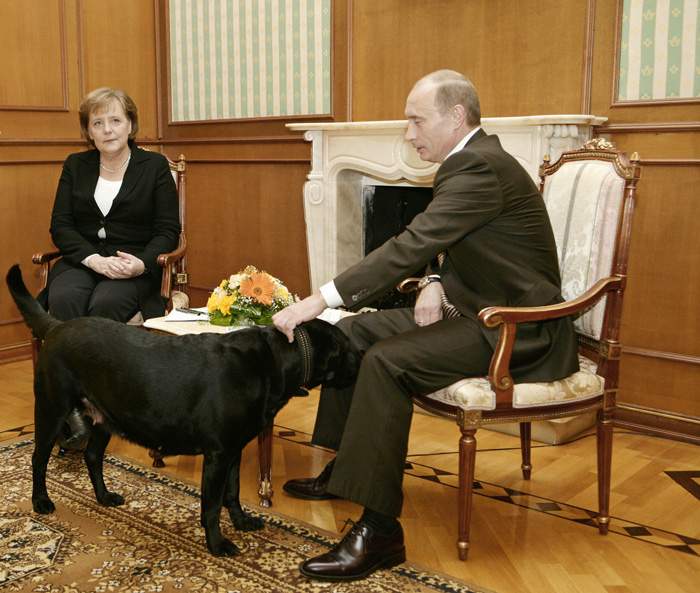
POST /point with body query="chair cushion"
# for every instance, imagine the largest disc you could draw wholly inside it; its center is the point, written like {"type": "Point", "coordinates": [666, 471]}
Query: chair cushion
{"type": "Point", "coordinates": [476, 393]}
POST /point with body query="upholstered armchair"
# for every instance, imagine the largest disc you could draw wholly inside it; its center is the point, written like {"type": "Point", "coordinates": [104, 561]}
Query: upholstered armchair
{"type": "Point", "coordinates": [589, 195]}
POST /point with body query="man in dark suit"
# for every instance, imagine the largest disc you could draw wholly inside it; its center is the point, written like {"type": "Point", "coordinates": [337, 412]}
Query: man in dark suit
{"type": "Point", "coordinates": [485, 239]}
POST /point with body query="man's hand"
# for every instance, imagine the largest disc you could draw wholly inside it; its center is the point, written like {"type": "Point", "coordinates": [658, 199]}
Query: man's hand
{"type": "Point", "coordinates": [428, 304]}
{"type": "Point", "coordinates": [289, 317]}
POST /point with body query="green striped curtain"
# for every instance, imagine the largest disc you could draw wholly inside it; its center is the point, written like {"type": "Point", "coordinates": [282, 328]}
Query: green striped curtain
{"type": "Point", "coordinates": [235, 59]}
{"type": "Point", "coordinates": [659, 50]}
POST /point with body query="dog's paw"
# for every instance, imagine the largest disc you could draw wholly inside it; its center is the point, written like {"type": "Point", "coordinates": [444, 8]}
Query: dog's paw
{"type": "Point", "coordinates": [224, 548]}
{"type": "Point", "coordinates": [43, 505]}
{"type": "Point", "coordinates": [245, 522]}
{"type": "Point", "coordinates": [111, 499]}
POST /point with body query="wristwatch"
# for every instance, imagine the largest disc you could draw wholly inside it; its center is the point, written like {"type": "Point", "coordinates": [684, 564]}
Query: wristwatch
{"type": "Point", "coordinates": [425, 280]}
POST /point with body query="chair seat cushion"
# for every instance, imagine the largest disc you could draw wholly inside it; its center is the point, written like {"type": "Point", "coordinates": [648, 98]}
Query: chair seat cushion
{"type": "Point", "coordinates": [476, 393]}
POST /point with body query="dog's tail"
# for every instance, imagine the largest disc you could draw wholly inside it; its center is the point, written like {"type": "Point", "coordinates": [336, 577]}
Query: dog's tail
{"type": "Point", "coordinates": [38, 320]}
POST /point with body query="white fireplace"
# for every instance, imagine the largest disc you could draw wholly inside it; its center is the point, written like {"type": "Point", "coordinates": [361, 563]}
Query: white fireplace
{"type": "Point", "coordinates": [348, 156]}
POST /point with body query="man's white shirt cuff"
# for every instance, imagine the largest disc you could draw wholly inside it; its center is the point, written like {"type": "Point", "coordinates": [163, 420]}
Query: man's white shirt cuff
{"type": "Point", "coordinates": [331, 295]}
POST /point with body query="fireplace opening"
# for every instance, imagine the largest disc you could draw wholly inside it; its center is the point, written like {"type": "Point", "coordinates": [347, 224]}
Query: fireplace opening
{"type": "Point", "coordinates": [386, 211]}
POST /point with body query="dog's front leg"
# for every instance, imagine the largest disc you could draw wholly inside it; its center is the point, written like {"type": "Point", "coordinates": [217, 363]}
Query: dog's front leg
{"type": "Point", "coordinates": [240, 519]}
{"type": "Point", "coordinates": [94, 457]}
{"type": "Point", "coordinates": [214, 474]}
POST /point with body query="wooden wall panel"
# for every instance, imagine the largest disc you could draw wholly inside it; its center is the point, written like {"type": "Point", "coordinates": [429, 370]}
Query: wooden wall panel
{"type": "Point", "coordinates": [119, 50]}
{"type": "Point", "coordinates": [661, 304]}
{"type": "Point", "coordinates": [24, 222]}
{"type": "Point", "coordinates": [33, 39]}
{"type": "Point", "coordinates": [245, 213]}
{"type": "Point", "coordinates": [658, 384]}
{"type": "Point", "coordinates": [523, 57]}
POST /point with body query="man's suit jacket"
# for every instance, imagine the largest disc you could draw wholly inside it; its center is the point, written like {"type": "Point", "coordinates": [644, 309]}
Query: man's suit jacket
{"type": "Point", "coordinates": [144, 218]}
{"type": "Point", "coordinates": [489, 218]}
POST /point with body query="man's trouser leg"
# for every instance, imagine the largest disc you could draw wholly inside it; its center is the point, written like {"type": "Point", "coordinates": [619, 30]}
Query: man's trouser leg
{"type": "Point", "coordinates": [369, 425]}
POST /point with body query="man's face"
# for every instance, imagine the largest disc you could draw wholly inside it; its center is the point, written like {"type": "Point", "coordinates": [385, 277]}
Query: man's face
{"type": "Point", "coordinates": [431, 133]}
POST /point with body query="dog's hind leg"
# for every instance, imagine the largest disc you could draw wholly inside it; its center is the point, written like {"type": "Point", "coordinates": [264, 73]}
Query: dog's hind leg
{"type": "Point", "coordinates": [94, 458]}
{"type": "Point", "coordinates": [214, 475]}
{"type": "Point", "coordinates": [240, 519]}
{"type": "Point", "coordinates": [48, 420]}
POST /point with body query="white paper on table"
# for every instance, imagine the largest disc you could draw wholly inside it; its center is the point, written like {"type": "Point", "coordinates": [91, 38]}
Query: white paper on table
{"type": "Point", "coordinates": [176, 315]}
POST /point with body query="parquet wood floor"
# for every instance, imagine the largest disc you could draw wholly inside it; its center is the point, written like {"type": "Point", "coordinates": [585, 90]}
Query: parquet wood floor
{"type": "Point", "coordinates": [527, 537]}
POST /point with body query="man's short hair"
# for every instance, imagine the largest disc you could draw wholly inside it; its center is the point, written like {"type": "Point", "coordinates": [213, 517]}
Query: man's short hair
{"type": "Point", "coordinates": [453, 89]}
{"type": "Point", "coordinates": [101, 99]}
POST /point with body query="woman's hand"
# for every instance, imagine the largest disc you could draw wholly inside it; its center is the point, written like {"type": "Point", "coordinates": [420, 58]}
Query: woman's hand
{"type": "Point", "coordinates": [132, 266]}
{"type": "Point", "coordinates": [289, 317]}
{"type": "Point", "coordinates": [119, 267]}
{"type": "Point", "coordinates": [111, 267]}
{"type": "Point", "coordinates": [428, 304]}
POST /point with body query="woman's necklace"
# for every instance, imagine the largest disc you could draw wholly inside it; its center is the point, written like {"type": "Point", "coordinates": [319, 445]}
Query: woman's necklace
{"type": "Point", "coordinates": [118, 169]}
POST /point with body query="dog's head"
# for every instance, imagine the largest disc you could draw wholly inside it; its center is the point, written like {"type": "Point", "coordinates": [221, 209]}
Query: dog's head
{"type": "Point", "coordinates": [334, 360]}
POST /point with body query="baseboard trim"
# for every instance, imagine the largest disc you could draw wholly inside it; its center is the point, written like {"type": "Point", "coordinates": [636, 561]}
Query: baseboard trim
{"type": "Point", "coordinates": [15, 352]}
{"type": "Point", "coordinates": [658, 423]}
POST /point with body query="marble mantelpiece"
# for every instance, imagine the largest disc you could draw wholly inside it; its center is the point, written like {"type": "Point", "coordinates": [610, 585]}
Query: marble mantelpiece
{"type": "Point", "coordinates": [347, 156]}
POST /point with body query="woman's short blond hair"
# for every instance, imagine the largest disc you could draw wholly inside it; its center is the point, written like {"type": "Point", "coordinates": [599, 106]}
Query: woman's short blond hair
{"type": "Point", "coordinates": [101, 99]}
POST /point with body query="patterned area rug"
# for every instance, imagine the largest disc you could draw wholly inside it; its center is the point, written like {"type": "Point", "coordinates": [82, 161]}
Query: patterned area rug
{"type": "Point", "coordinates": [154, 542]}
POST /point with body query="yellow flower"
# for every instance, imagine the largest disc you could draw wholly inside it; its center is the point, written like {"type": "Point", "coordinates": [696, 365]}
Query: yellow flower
{"type": "Point", "coordinates": [226, 303]}
{"type": "Point", "coordinates": [281, 293]}
{"type": "Point", "coordinates": [220, 302]}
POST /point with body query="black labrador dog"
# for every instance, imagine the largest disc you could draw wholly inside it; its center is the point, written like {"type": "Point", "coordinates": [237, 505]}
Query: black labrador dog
{"type": "Point", "coordinates": [207, 393]}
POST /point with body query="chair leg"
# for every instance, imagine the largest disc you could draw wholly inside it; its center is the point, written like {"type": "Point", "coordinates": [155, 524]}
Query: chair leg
{"type": "Point", "coordinates": [467, 459]}
{"type": "Point", "coordinates": [265, 459]}
{"type": "Point", "coordinates": [525, 438]}
{"type": "Point", "coordinates": [157, 457]}
{"type": "Point", "coordinates": [604, 433]}
{"type": "Point", "coordinates": [36, 347]}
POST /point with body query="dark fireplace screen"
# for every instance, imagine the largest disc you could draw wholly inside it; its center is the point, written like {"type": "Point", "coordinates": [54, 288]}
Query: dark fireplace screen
{"type": "Point", "coordinates": [387, 210]}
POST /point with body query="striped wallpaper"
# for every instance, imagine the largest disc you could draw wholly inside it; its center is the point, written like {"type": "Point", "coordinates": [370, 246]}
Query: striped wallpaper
{"type": "Point", "coordinates": [659, 50]}
{"type": "Point", "coordinates": [234, 59]}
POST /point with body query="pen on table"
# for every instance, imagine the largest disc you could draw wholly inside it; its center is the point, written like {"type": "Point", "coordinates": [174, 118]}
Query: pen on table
{"type": "Point", "coordinates": [192, 311]}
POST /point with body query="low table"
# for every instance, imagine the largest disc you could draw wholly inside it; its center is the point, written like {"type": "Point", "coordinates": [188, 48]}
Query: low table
{"type": "Point", "coordinates": [182, 328]}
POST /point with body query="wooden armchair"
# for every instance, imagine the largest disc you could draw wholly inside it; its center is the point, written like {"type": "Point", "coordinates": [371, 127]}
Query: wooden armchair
{"type": "Point", "coordinates": [174, 282]}
{"type": "Point", "coordinates": [590, 195]}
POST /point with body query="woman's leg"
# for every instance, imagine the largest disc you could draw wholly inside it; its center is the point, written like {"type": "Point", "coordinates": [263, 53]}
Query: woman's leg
{"type": "Point", "coordinates": [70, 292]}
{"type": "Point", "coordinates": [119, 299]}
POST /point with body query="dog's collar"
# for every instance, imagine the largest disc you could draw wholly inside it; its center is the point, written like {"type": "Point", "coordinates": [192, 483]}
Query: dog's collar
{"type": "Point", "coordinates": [307, 352]}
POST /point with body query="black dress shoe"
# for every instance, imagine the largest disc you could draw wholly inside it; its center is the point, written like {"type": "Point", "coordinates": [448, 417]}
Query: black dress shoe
{"type": "Point", "coordinates": [362, 551]}
{"type": "Point", "coordinates": [311, 488]}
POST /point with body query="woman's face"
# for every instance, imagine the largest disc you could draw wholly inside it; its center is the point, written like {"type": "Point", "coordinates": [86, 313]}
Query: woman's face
{"type": "Point", "coordinates": [109, 129]}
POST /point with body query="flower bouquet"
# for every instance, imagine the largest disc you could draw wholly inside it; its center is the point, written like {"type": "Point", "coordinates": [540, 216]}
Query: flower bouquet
{"type": "Point", "coordinates": [250, 297]}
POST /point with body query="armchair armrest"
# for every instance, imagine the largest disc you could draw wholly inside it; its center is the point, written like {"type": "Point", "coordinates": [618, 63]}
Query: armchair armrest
{"type": "Point", "coordinates": [167, 261]}
{"type": "Point", "coordinates": [43, 258]}
{"type": "Point", "coordinates": [508, 317]}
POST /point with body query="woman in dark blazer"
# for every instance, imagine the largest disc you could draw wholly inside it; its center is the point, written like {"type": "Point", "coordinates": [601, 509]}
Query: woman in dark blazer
{"type": "Point", "coordinates": [116, 210]}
